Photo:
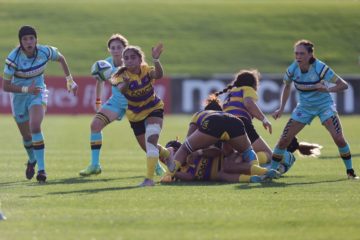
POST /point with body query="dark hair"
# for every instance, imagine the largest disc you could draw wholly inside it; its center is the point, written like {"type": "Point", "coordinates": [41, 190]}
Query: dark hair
{"type": "Point", "coordinates": [26, 30]}
{"type": "Point", "coordinates": [309, 46]}
{"type": "Point", "coordinates": [248, 78]}
{"type": "Point", "coordinates": [137, 51]}
{"type": "Point", "coordinates": [175, 144]}
{"type": "Point", "coordinates": [213, 103]}
{"type": "Point", "coordinates": [306, 149]}
{"type": "Point", "coordinates": [119, 37]}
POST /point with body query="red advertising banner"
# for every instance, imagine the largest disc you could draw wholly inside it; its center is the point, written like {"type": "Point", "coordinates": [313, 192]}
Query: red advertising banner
{"type": "Point", "coordinates": [62, 102]}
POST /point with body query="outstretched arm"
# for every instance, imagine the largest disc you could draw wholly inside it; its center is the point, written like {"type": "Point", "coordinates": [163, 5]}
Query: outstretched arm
{"type": "Point", "coordinates": [156, 52]}
{"type": "Point", "coordinates": [256, 112]}
{"type": "Point", "coordinates": [70, 83]}
{"type": "Point", "coordinates": [284, 97]}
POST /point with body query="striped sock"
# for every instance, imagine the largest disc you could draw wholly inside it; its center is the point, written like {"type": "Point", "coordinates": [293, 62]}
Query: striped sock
{"type": "Point", "coordinates": [277, 157]}
{"type": "Point", "coordinates": [39, 150]}
{"type": "Point", "coordinates": [95, 142]}
{"type": "Point", "coordinates": [28, 145]}
{"type": "Point", "coordinates": [346, 156]}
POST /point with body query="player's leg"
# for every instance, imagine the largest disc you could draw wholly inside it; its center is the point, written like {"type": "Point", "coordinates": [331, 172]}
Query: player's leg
{"type": "Point", "coordinates": [235, 177]}
{"type": "Point", "coordinates": [197, 140]}
{"type": "Point", "coordinates": [36, 115]}
{"type": "Point", "coordinates": [100, 121]}
{"type": "Point", "coordinates": [292, 128]}
{"type": "Point", "coordinates": [333, 125]}
{"type": "Point", "coordinates": [19, 108]}
{"type": "Point", "coordinates": [27, 141]}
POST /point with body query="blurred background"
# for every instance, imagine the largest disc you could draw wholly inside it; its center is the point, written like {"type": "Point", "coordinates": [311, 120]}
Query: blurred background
{"type": "Point", "coordinates": [206, 43]}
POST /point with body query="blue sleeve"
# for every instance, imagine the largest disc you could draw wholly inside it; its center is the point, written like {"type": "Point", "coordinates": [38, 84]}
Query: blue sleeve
{"type": "Point", "coordinates": [289, 74]}
{"type": "Point", "coordinates": [53, 53]}
{"type": "Point", "coordinates": [10, 66]}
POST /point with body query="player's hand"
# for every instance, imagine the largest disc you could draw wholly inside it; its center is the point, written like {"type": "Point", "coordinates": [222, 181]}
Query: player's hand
{"type": "Point", "coordinates": [321, 87]}
{"type": "Point", "coordinates": [277, 114]}
{"type": "Point", "coordinates": [157, 50]}
{"type": "Point", "coordinates": [267, 125]}
{"type": "Point", "coordinates": [71, 85]}
{"type": "Point", "coordinates": [33, 89]}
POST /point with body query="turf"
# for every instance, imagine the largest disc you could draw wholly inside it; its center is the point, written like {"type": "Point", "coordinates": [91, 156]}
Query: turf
{"type": "Point", "coordinates": [313, 201]}
{"type": "Point", "coordinates": [201, 37]}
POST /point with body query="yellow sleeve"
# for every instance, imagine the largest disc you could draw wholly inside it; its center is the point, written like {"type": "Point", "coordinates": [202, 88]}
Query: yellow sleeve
{"type": "Point", "coordinates": [116, 80]}
{"type": "Point", "coordinates": [249, 92]}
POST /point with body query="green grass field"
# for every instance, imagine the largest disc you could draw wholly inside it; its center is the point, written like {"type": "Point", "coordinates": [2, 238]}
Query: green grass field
{"type": "Point", "coordinates": [313, 201]}
{"type": "Point", "coordinates": [201, 37]}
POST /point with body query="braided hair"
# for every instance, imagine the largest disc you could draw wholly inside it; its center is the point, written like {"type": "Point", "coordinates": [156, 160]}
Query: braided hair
{"type": "Point", "coordinates": [213, 103]}
{"type": "Point", "coordinates": [248, 78]}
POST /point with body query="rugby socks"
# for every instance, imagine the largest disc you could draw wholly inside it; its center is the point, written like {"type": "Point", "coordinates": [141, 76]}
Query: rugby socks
{"type": "Point", "coordinates": [244, 178]}
{"type": "Point", "coordinates": [277, 157]}
{"type": "Point", "coordinates": [39, 150]}
{"type": "Point", "coordinates": [163, 152]}
{"type": "Point", "coordinates": [28, 145]}
{"type": "Point", "coordinates": [346, 156]}
{"type": "Point", "coordinates": [262, 157]}
{"type": "Point", "coordinates": [95, 142]}
{"type": "Point", "coordinates": [257, 170]}
{"type": "Point", "coordinates": [151, 163]}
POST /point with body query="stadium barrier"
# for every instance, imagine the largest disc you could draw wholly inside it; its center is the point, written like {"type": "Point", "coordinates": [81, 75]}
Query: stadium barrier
{"type": "Point", "coordinates": [182, 94]}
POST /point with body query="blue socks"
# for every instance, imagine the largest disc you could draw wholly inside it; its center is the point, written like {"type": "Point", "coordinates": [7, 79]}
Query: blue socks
{"type": "Point", "coordinates": [346, 156]}
{"type": "Point", "coordinates": [96, 142]}
{"type": "Point", "coordinates": [277, 157]}
{"type": "Point", "coordinates": [39, 149]}
{"type": "Point", "coordinates": [30, 150]}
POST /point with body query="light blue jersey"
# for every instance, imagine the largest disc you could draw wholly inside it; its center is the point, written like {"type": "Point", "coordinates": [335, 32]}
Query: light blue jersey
{"type": "Point", "coordinates": [318, 71]}
{"type": "Point", "coordinates": [117, 102]}
{"type": "Point", "coordinates": [22, 70]}
{"type": "Point", "coordinates": [312, 103]}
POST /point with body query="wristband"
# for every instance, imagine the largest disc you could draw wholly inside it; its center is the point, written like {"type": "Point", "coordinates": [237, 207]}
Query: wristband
{"type": "Point", "coordinates": [156, 60]}
{"type": "Point", "coordinates": [98, 101]}
{"type": "Point", "coordinates": [265, 120]}
{"type": "Point", "coordinates": [69, 78]}
{"type": "Point", "coordinates": [24, 89]}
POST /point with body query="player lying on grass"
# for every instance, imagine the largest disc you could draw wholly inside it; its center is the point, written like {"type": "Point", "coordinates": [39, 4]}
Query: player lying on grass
{"type": "Point", "coordinates": [211, 164]}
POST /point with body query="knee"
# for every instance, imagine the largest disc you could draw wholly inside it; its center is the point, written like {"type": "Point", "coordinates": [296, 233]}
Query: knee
{"type": "Point", "coordinates": [96, 125]}
{"type": "Point", "coordinates": [151, 137]}
{"type": "Point", "coordinates": [339, 140]}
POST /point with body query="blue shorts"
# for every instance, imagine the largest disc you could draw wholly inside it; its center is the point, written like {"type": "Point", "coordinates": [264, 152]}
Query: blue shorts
{"type": "Point", "coordinates": [117, 105]}
{"type": "Point", "coordinates": [306, 115]}
{"type": "Point", "coordinates": [21, 103]}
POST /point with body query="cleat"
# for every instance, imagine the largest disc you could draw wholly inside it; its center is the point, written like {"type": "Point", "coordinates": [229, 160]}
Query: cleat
{"type": "Point", "coordinates": [147, 183]}
{"type": "Point", "coordinates": [30, 170]}
{"type": "Point", "coordinates": [159, 170]}
{"type": "Point", "coordinates": [255, 179]}
{"type": "Point", "coordinates": [90, 170]}
{"type": "Point", "coordinates": [41, 176]}
{"type": "Point", "coordinates": [351, 174]}
{"type": "Point", "coordinates": [271, 174]}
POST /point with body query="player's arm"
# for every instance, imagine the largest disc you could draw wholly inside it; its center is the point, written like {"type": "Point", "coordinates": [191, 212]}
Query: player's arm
{"type": "Point", "coordinates": [192, 128]}
{"type": "Point", "coordinates": [70, 83]}
{"type": "Point", "coordinates": [184, 176]}
{"type": "Point", "coordinates": [9, 87]}
{"type": "Point", "coordinates": [284, 97]}
{"type": "Point", "coordinates": [256, 112]}
{"type": "Point", "coordinates": [340, 85]}
{"type": "Point", "coordinates": [98, 92]}
{"type": "Point", "coordinates": [158, 71]}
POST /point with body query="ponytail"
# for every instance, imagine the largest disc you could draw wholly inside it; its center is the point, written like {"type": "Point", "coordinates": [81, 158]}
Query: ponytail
{"type": "Point", "coordinates": [229, 87]}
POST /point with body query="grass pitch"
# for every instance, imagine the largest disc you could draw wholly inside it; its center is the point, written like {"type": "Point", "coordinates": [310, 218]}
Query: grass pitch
{"type": "Point", "coordinates": [313, 201]}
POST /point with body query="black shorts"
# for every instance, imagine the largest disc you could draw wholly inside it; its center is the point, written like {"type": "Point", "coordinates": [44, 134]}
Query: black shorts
{"type": "Point", "coordinates": [139, 128]}
{"type": "Point", "coordinates": [223, 127]}
{"type": "Point", "coordinates": [250, 130]}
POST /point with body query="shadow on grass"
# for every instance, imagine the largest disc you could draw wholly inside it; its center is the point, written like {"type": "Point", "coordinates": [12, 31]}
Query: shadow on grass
{"type": "Point", "coordinates": [10, 184]}
{"type": "Point", "coordinates": [91, 179]}
{"type": "Point", "coordinates": [275, 184]}
{"type": "Point", "coordinates": [336, 156]}
{"type": "Point", "coordinates": [93, 190]}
